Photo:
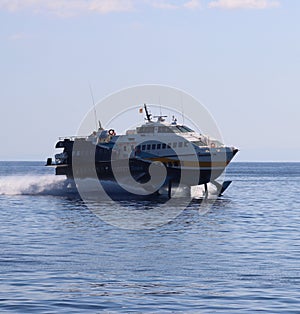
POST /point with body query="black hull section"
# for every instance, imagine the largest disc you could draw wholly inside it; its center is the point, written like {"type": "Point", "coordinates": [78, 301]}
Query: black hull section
{"type": "Point", "coordinates": [139, 171]}
{"type": "Point", "coordinates": [86, 160]}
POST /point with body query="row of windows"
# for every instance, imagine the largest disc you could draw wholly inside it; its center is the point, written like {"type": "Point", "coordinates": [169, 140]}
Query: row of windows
{"type": "Point", "coordinates": [164, 129]}
{"type": "Point", "coordinates": [162, 146]}
{"type": "Point", "coordinates": [158, 129]}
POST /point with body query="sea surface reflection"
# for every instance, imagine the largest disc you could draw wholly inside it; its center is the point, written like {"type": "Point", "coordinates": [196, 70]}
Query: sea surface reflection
{"type": "Point", "coordinates": [242, 255]}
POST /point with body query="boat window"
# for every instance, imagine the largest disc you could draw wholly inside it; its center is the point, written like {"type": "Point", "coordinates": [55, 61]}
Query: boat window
{"type": "Point", "coordinates": [148, 147]}
{"type": "Point", "coordinates": [153, 146]}
{"type": "Point", "coordinates": [166, 129]}
{"type": "Point", "coordinates": [187, 129]}
{"type": "Point", "coordinates": [143, 147]}
{"type": "Point", "coordinates": [199, 143]}
{"type": "Point", "coordinates": [186, 144]}
{"type": "Point", "coordinates": [181, 129]}
{"type": "Point", "coordinates": [125, 148]}
{"type": "Point", "coordinates": [145, 129]}
{"type": "Point", "coordinates": [169, 145]}
{"type": "Point", "coordinates": [164, 146]}
{"type": "Point", "coordinates": [174, 145]}
{"type": "Point", "coordinates": [158, 146]}
{"type": "Point", "coordinates": [180, 144]}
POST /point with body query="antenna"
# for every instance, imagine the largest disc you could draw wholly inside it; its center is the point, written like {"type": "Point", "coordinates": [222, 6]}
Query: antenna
{"type": "Point", "coordinates": [159, 105]}
{"type": "Point", "coordinates": [182, 110]}
{"type": "Point", "coordinates": [95, 112]}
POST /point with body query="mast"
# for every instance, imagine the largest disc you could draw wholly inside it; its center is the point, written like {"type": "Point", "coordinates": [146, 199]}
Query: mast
{"type": "Point", "coordinates": [148, 115]}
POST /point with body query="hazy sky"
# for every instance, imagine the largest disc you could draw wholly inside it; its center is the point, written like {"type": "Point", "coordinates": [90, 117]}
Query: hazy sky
{"type": "Point", "coordinates": [239, 58]}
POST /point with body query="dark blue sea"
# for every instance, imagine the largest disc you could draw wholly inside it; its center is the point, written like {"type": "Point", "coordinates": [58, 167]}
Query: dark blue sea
{"type": "Point", "coordinates": [242, 255]}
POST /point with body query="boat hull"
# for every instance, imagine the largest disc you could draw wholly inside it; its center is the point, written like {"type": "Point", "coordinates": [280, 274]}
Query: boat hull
{"type": "Point", "coordinates": [84, 160]}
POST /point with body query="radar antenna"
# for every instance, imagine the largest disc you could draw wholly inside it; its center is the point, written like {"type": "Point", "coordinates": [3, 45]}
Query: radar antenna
{"type": "Point", "coordinates": [160, 118]}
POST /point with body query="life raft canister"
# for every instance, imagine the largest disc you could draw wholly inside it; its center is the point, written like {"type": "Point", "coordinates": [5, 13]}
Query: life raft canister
{"type": "Point", "coordinates": [111, 132]}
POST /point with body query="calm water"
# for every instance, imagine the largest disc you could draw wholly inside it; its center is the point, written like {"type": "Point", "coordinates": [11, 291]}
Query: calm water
{"type": "Point", "coordinates": [242, 256]}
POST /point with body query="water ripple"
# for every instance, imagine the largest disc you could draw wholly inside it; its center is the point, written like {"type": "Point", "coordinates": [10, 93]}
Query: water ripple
{"type": "Point", "coordinates": [242, 256]}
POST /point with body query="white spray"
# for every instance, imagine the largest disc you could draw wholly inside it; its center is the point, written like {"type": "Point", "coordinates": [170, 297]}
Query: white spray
{"type": "Point", "coordinates": [31, 185]}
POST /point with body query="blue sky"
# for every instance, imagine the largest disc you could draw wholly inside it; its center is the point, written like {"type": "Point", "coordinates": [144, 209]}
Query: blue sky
{"type": "Point", "coordinates": [240, 59]}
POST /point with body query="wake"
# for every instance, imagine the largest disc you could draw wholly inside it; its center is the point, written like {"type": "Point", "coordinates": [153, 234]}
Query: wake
{"type": "Point", "coordinates": [32, 185]}
{"type": "Point", "coordinates": [57, 185]}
